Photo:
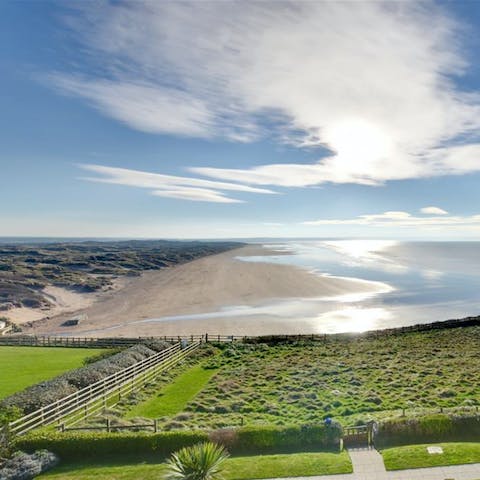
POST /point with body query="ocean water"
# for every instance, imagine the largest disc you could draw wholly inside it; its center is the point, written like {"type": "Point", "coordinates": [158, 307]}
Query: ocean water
{"type": "Point", "coordinates": [423, 281]}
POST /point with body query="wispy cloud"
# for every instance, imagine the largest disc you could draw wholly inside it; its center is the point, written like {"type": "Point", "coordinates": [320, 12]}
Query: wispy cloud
{"type": "Point", "coordinates": [374, 82]}
{"type": "Point", "coordinates": [184, 188]}
{"type": "Point", "coordinates": [403, 219]}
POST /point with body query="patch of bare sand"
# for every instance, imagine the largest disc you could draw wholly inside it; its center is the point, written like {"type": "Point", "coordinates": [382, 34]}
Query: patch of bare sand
{"type": "Point", "coordinates": [201, 286]}
{"type": "Point", "coordinates": [63, 302]}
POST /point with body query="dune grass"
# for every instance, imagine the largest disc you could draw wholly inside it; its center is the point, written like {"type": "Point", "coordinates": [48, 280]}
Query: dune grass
{"type": "Point", "coordinates": [417, 456]}
{"type": "Point", "coordinates": [236, 468]}
{"type": "Point", "coordinates": [25, 366]}
{"type": "Point", "coordinates": [173, 397]}
{"type": "Point", "coordinates": [350, 380]}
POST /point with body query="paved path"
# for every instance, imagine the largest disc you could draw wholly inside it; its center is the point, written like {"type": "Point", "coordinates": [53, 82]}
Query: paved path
{"type": "Point", "coordinates": [368, 465]}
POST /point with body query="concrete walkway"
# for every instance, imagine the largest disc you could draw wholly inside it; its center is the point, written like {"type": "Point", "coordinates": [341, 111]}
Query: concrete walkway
{"type": "Point", "coordinates": [368, 465]}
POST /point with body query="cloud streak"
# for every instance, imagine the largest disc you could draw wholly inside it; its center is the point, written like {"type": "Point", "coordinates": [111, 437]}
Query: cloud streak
{"type": "Point", "coordinates": [171, 186]}
{"type": "Point", "coordinates": [373, 82]}
{"type": "Point", "coordinates": [403, 219]}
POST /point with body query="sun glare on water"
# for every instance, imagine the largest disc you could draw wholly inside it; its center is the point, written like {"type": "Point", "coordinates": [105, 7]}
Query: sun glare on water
{"type": "Point", "coordinates": [352, 319]}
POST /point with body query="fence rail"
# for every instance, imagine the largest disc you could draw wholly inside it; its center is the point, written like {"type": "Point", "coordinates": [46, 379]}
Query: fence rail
{"type": "Point", "coordinates": [106, 392]}
{"type": "Point", "coordinates": [119, 342]}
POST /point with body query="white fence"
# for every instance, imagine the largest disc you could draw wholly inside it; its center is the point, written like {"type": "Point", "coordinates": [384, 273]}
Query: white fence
{"type": "Point", "coordinates": [104, 393]}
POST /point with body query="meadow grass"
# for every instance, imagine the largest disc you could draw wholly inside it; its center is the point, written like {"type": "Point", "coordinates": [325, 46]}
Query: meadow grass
{"type": "Point", "coordinates": [173, 397]}
{"type": "Point", "coordinates": [417, 456]}
{"type": "Point", "coordinates": [351, 380]}
{"type": "Point", "coordinates": [235, 468]}
{"type": "Point", "coordinates": [25, 366]}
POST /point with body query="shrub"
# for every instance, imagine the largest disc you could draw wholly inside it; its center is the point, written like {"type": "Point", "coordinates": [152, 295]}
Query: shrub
{"type": "Point", "coordinates": [25, 467]}
{"type": "Point", "coordinates": [199, 462]}
{"type": "Point", "coordinates": [427, 429]}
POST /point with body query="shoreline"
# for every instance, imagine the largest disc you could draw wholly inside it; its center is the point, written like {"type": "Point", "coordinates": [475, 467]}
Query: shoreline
{"type": "Point", "coordinates": [202, 295]}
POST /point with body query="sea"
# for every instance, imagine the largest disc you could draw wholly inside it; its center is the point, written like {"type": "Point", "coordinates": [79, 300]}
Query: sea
{"type": "Point", "coordinates": [417, 282]}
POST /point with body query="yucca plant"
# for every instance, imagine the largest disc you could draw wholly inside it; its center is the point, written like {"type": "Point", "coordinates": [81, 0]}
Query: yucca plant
{"type": "Point", "coordinates": [199, 462]}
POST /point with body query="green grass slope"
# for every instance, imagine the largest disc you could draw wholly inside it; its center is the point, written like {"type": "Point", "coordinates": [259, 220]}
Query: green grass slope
{"type": "Point", "coordinates": [25, 366]}
{"type": "Point", "coordinates": [174, 397]}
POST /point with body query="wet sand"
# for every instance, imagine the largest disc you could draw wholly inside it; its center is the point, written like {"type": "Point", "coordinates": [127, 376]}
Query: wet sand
{"type": "Point", "coordinates": [201, 286]}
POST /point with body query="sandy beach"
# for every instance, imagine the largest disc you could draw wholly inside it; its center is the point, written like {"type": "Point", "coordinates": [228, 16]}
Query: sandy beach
{"type": "Point", "coordinates": [209, 284]}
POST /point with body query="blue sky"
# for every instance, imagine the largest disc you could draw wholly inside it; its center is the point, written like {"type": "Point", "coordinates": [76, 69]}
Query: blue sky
{"type": "Point", "coordinates": [240, 119]}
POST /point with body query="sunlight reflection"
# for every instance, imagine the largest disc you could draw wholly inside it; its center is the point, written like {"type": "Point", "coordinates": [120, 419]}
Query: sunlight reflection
{"type": "Point", "coordinates": [351, 319]}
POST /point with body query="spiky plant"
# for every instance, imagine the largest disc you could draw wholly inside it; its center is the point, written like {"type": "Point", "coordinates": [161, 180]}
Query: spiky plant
{"type": "Point", "coordinates": [199, 462]}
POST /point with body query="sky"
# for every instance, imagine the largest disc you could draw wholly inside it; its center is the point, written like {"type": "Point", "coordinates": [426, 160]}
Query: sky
{"type": "Point", "coordinates": [240, 119]}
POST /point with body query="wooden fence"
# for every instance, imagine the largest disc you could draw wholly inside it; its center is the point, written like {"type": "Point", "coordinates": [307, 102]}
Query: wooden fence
{"type": "Point", "coordinates": [104, 393]}
{"type": "Point", "coordinates": [121, 342]}
{"type": "Point", "coordinates": [99, 342]}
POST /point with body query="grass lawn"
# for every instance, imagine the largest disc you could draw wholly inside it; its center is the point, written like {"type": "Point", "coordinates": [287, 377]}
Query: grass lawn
{"type": "Point", "coordinates": [25, 366]}
{"type": "Point", "coordinates": [236, 468]}
{"type": "Point", "coordinates": [416, 456]}
{"type": "Point", "coordinates": [173, 398]}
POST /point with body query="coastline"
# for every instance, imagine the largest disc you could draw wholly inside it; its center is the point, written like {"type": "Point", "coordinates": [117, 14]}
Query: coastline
{"type": "Point", "coordinates": [209, 286]}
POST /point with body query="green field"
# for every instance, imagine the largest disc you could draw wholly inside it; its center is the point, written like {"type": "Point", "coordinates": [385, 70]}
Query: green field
{"type": "Point", "coordinates": [25, 366]}
{"type": "Point", "coordinates": [174, 397]}
{"type": "Point", "coordinates": [236, 468]}
{"type": "Point", "coordinates": [352, 381]}
{"type": "Point", "coordinates": [417, 456]}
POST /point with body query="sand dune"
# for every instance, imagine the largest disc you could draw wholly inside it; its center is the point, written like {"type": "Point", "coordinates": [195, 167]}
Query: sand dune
{"type": "Point", "coordinates": [204, 285]}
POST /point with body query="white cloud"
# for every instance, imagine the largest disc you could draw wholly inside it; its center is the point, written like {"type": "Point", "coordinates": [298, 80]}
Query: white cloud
{"type": "Point", "coordinates": [402, 219]}
{"type": "Point", "coordinates": [185, 188]}
{"type": "Point", "coordinates": [195, 194]}
{"type": "Point", "coordinates": [374, 82]}
{"type": "Point", "coordinates": [433, 211]}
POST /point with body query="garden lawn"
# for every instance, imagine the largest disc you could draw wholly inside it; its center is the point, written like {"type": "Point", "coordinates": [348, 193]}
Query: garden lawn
{"type": "Point", "coordinates": [25, 366]}
{"type": "Point", "coordinates": [236, 468]}
{"type": "Point", "coordinates": [174, 397]}
{"type": "Point", "coordinates": [416, 456]}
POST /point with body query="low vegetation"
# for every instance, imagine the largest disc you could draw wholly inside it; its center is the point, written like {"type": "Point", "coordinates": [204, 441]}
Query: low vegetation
{"type": "Point", "coordinates": [25, 269]}
{"type": "Point", "coordinates": [25, 366]}
{"type": "Point", "coordinates": [351, 380]}
{"type": "Point", "coordinates": [417, 456]}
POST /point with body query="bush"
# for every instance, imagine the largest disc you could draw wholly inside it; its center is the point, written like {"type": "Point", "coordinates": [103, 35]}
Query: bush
{"type": "Point", "coordinates": [203, 461]}
{"type": "Point", "coordinates": [428, 429]}
{"type": "Point", "coordinates": [25, 467]}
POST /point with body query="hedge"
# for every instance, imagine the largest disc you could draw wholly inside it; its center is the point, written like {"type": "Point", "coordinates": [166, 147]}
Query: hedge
{"type": "Point", "coordinates": [75, 446]}
{"type": "Point", "coordinates": [71, 446]}
{"type": "Point", "coordinates": [428, 429]}
{"type": "Point", "coordinates": [273, 438]}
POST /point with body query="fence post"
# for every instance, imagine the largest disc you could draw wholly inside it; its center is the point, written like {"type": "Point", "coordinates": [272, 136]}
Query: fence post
{"type": "Point", "coordinates": [155, 425]}
{"type": "Point", "coordinates": [108, 425]}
